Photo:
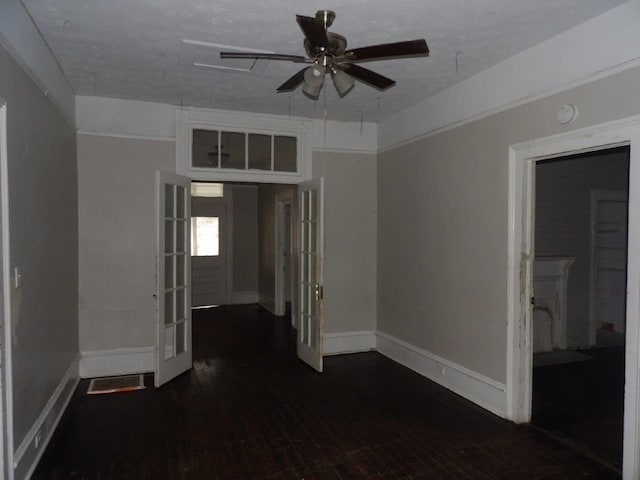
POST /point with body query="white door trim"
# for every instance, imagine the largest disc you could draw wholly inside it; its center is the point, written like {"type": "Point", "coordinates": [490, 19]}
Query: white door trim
{"type": "Point", "coordinates": [6, 399]}
{"type": "Point", "coordinates": [228, 238]}
{"type": "Point", "coordinates": [282, 200]}
{"type": "Point", "coordinates": [522, 159]}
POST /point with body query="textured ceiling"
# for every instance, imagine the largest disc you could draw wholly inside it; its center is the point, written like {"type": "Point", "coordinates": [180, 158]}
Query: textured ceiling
{"type": "Point", "coordinates": [135, 50]}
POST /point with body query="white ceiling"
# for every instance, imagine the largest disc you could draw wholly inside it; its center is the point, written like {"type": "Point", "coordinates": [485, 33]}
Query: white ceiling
{"type": "Point", "coordinates": [135, 49]}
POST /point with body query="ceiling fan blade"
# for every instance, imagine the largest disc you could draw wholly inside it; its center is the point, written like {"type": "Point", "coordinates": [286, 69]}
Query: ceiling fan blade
{"type": "Point", "coordinates": [293, 83]}
{"type": "Point", "coordinates": [314, 31]}
{"type": "Point", "coordinates": [409, 48]}
{"type": "Point", "coordinates": [367, 76]}
{"type": "Point", "coordinates": [265, 56]}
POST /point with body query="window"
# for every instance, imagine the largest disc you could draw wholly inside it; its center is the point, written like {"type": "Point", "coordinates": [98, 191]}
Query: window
{"type": "Point", "coordinates": [216, 149]}
{"type": "Point", "coordinates": [217, 146]}
{"type": "Point", "coordinates": [205, 237]}
{"type": "Point", "coordinates": [207, 189]}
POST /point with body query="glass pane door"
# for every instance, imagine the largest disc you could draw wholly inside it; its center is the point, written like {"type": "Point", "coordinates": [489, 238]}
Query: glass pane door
{"type": "Point", "coordinates": [174, 308]}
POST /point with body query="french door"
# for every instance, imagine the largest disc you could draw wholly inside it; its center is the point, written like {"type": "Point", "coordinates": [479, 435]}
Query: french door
{"type": "Point", "coordinates": [310, 312]}
{"type": "Point", "coordinates": [173, 295]}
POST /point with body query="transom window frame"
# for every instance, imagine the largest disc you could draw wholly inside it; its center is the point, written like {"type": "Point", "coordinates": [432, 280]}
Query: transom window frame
{"type": "Point", "coordinates": [189, 120]}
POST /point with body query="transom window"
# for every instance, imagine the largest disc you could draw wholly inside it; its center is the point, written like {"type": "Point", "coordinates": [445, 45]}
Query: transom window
{"type": "Point", "coordinates": [219, 146]}
{"type": "Point", "coordinates": [243, 151]}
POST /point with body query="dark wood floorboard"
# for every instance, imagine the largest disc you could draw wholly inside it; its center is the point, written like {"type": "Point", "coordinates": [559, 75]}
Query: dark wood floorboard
{"type": "Point", "coordinates": [250, 410]}
{"type": "Point", "coordinates": [582, 403]}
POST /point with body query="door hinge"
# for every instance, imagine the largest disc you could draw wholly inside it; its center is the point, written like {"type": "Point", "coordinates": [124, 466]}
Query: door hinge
{"type": "Point", "coordinates": [533, 300]}
{"type": "Point", "coordinates": [319, 292]}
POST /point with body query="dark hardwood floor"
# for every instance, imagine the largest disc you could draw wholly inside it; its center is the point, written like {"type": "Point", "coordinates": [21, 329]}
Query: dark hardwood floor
{"type": "Point", "coordinates": [250, 410]}
{"type": "Point", "coordinates": [582, 403]}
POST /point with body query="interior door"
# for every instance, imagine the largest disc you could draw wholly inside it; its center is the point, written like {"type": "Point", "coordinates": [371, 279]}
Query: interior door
{"type": "Point", "coordinates": [309, 345]}
{"type": "Point", "coordinates": [173, 311]}
{"type": "Point", "coordinates": [609, 211]}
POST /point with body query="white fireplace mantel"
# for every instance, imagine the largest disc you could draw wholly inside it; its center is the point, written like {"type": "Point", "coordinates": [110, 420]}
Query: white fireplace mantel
{"type": "Point", "coordinates": [550, 279]}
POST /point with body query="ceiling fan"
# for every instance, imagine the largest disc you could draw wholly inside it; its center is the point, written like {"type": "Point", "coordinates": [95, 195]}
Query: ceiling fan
{"type": "Point", "coordinates": [327, 53]}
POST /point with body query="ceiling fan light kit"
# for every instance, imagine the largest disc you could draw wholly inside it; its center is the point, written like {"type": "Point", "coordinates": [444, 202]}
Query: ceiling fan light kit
{"type": "Point", "coordinates": [327, 53]}
{"type": "Point", "coordinates": [342, 81]}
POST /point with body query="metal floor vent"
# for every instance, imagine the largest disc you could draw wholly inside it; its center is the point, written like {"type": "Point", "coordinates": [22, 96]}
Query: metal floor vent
{"type": "Point", "coordinates": [125, 383]}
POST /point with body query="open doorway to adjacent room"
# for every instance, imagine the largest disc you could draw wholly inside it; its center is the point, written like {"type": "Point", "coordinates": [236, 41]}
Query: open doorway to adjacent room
{"type": "Point", "coordinates": [579, 300]}
{"type": "Point", "coordinates": [243, 239]}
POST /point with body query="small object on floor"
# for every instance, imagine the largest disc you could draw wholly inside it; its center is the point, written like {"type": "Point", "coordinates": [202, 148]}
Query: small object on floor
{"type": "Point", "coordinates": [126, 383]}
{"type": "Point", "coordinates": [557, 357]}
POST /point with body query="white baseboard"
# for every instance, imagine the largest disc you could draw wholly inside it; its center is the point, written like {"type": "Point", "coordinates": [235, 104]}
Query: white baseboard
{"type": "Point", "coordinates": [28, 454]}
{"type": "Point", "coordinates": [267, 302]}
{"type": "Point", "coordinates": [348, 342]}
{"type": "Point", "coordinates": [244, 298]}
{"type": "Point", "coordinates": [483, 391]}
{"type": "Point", "coordinates": [121, 361]}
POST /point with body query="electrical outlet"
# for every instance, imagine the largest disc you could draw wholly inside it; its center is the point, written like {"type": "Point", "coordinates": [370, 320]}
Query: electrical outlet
{"type": "Point", "coordinates": [38, 439]}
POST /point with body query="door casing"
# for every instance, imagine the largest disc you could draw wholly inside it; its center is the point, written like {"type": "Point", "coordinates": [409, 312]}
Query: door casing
{"type": "Point", "coordinates": [6, 379]}
{"type": "Point", "coordinates": [522, 159]}
{"type": "Point", "coordinates": [282, 201]}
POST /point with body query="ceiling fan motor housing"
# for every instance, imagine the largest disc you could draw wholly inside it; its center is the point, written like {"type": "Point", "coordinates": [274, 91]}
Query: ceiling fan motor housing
{"type": "Point", "coordinates": [336, 47]}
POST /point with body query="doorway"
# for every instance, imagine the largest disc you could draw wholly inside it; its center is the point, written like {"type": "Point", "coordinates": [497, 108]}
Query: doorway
{"type": "Point", "coordinates": [211, 244]}
{"type": "Point", "coordinates": [579, 291]}
{"type": "Point", "coordinates": [265, 240]}
{"type": "Point", "coordinates": [520, 261]}
{"type": "Point", "coordinates": [284, 270]}
{"type": "Point", "coordinates": [253, 238]}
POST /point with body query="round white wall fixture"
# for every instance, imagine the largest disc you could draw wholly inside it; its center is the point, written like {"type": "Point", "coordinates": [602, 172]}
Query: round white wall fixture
{"type": "Point", "coordinates": [566, 114]}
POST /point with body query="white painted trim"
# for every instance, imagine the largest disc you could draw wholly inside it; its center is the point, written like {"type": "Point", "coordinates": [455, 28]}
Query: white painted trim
{"type": "Point", "coordinates": [228, 236]}
{"type": "Point", "coordinates": [345, 150]}
{"type": "Point", "coordinates": [281, 201]}
{"type": "Point", "coordinates": [121, 361]}
{"type": "Point", "coordinates": [188, 120]}
{"type": "Point", "coordinates": [554, 271]}
{"type": "Point", "coordinates": [576, 57]}
{"type": "Point", "coordinates": [267, 302]}
{"type": "Point", "coordinates": [128, 136]}
{"type": "Point", "coordinates": [22, 39]}
{"type": "Point", "coordinates": [28, 454]}
{"type": "Point", "coordinates": [6, 380]}
{"type": "Point", "coordinates": [116, 117]}
{"type": "Point", "coordinates": [348, 342]}
{"type": "Point", "coordinates": [244, 298]}
{"type": "Point", "coordinates": [479, 389]}
{"type": "Point", "coordinates": [522, 158]}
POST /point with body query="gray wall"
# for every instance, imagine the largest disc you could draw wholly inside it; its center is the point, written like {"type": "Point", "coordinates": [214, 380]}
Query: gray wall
{"type": "Point", "coordinates": [117, 220]}
{"type": "Point", "coordinates": [350, 240]}
{"type": "Point", "coordinates": [563, 223]}
{"type": "Point", "coordinates": [245, 238]}
{"type": "Point", "coordinates": [442, 224]}
{"type": "Point", "coordinates": [43, 217]}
